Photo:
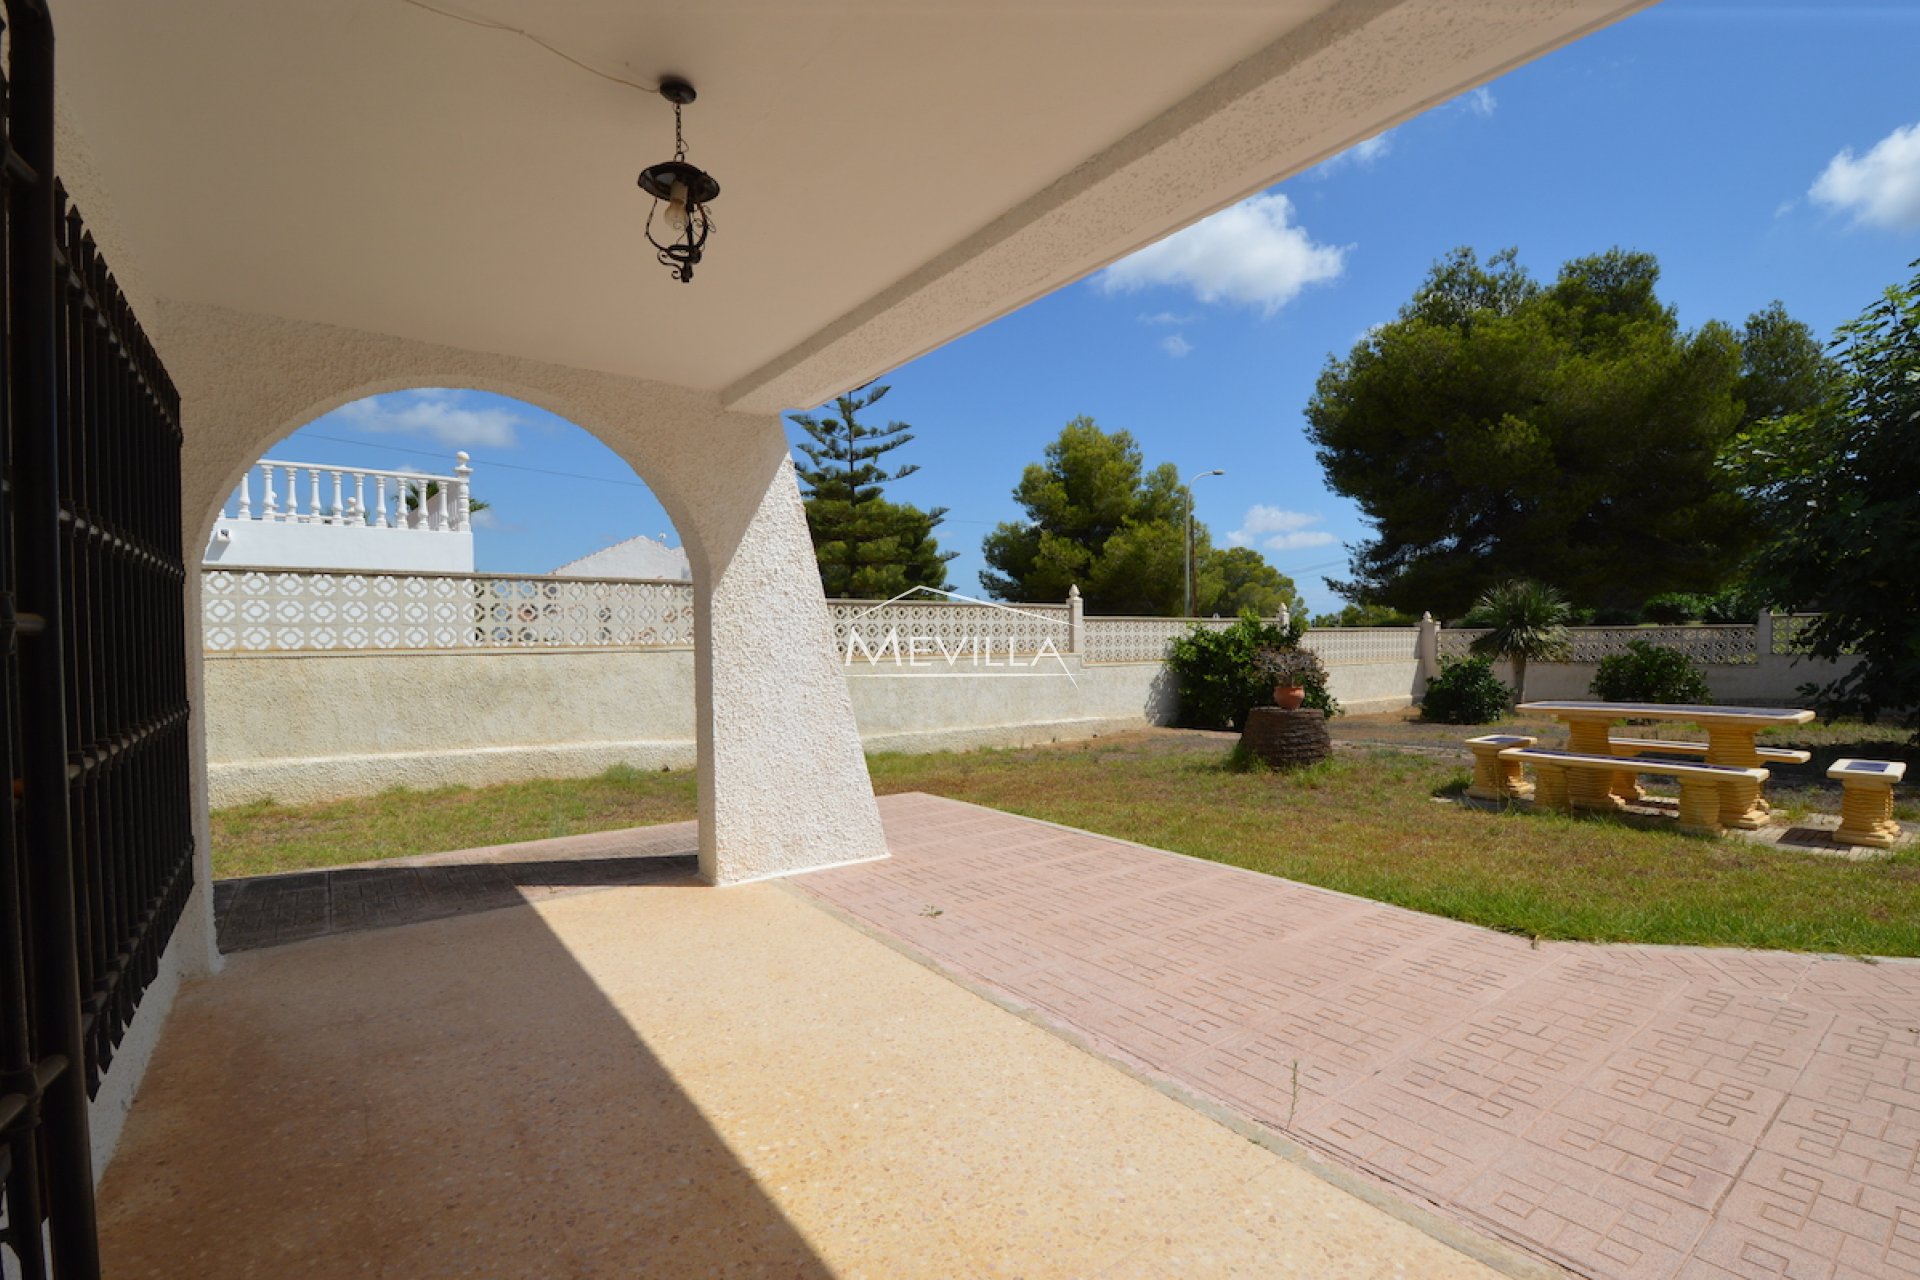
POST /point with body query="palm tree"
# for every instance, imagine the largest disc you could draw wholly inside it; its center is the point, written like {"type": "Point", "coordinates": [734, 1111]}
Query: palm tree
{"type": "Point", "coordinates": [1528, 621]}
{"type": "Point", "coordinates": [412, 490]}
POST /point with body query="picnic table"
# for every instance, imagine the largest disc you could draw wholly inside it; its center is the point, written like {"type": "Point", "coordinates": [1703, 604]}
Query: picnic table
{"type": "Point", "coordinates": [1731, 735]}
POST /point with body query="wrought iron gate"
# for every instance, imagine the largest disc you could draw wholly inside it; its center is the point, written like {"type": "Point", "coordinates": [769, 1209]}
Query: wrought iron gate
{"type": "Point", "coordinates": [96, 855]}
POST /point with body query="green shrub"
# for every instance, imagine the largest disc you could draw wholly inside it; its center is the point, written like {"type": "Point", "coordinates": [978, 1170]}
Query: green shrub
{"type": "Point", "coordinates": [1648, 673]}
{"type": "Point", "coordinates": [1673, 608]}
{"type": "Point", "coordinates": [1735, 604]}
{"type": "Point", "coordinates": [1465, 692]}
{"type": "Point", "coordinates": [1219, 672]}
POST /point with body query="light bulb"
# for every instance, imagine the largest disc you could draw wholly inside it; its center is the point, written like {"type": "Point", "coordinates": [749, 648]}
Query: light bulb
{"type": "Point", "coordinates": [676, 215]}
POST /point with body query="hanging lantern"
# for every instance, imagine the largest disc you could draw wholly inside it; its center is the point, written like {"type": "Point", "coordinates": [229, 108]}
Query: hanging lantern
{"type": "Point", "coordinates": [681, 193]}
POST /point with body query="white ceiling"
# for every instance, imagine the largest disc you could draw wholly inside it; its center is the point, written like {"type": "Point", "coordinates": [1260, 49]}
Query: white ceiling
{"type": "Point", "coordinates": [372, 164]}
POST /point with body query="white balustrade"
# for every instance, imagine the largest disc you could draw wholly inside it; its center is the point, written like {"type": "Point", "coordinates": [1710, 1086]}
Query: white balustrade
{"type": "Point", "coordinates": [298, 610]}
{"type": "Point", "coordinates": [463, 516]}
{"type": "Point", "coordinates": [1357, 646]}
{"type": "Point", "coordinates": [1116, 639]}
{"type": "Point", "coordinates": [439, 504]}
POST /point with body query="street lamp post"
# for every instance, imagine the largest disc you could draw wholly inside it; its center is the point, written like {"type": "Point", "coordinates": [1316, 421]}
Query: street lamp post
{"type": "Point", "coordinates": [1187, 563]}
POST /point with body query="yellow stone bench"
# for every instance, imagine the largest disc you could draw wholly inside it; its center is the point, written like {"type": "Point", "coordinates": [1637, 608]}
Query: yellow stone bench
{"type": "Point", "coordinates": [1494, 778]}
{"type": "Point", "coordinates": [1701, 785]}
{"type": "Point", "coordinates": [1625, 785]}
{"type": "Point", "coordinates": [1866, 801]}
{"type": "Point", "coordinates": [1651, 746]}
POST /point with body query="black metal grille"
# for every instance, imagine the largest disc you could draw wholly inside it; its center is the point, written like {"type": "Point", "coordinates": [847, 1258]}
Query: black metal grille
{"type": "Point", "coordinates": [96, 855]}
{"type": "Point", "coordinates": [122, 604]}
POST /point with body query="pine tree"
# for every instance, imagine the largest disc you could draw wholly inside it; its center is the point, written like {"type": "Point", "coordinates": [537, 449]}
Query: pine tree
{"type": "Point", "coordinates": [867, 546]}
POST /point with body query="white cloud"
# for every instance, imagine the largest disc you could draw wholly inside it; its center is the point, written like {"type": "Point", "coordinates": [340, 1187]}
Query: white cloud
{"type": "Point", "coordinates": [1361, 155]}
{"type": "Point", "coordinates": [1251, 254]}
{"type": "Point", "coordinates": [1481, 102]}
{"type": "Point", "coordinates": [1296, 541]}
{"type": "Point", "coordinates": [1175, 345]}
{"type": "Point", "coordinates": [1278, 529]}
{"type": "Point", "coordinates": [1882, 187]}
{"type": "Point", "coordinates": [1166, 317]}
{"type": "Point", "coordinates": [434, 415]}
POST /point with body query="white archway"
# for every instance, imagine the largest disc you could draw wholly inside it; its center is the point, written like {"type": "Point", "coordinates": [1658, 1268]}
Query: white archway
{"type": "Point", "coordinates": [782, 781]}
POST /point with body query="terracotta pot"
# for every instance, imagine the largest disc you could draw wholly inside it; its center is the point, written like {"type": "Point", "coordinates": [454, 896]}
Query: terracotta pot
{"type": "Point", "coordinates": [1288, 697]}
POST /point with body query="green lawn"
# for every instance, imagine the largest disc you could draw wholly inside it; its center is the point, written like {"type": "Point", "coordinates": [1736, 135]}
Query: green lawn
{"type": "Point", "coordinates": [266, 838]}
{"type": "Point", "coordinates": [1373, 821]}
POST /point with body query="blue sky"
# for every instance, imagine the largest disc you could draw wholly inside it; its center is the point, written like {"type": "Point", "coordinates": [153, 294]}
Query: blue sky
{"type": "Point", "coordinates": [1759, 150]}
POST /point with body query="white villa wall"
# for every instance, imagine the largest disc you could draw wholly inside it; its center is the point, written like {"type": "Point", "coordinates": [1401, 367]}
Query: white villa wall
{"type": "Point", "coordinates": [1773, 681]}
{"type": "Point", "coordinates": [1367, 688]}
{"type": "Point", "coordinates": [258, 544]}
{"type": "Point", "coordinates": [1744, 664]}
{"type": "Point", "coordinates": [304, 727]}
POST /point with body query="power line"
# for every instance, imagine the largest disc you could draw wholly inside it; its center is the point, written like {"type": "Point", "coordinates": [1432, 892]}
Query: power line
{"type": "Point", "coordinates": [514, 466]}
{"type": "Point", "coordinates": [491, 462]}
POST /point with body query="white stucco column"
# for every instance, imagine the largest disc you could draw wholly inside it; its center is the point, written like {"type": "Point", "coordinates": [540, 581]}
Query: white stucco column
{"type": "Point", "coordinates": [783, 782]}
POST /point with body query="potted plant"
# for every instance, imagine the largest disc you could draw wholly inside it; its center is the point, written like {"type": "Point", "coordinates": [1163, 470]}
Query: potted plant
{"type": "Point", "coordinates": [1289, 671]}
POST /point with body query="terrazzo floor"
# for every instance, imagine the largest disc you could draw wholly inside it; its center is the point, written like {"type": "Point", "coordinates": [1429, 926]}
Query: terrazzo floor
{"type": "Point", "coordinates": [664, 1080]}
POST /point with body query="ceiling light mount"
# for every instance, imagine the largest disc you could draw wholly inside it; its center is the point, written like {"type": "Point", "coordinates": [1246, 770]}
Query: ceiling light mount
{"type": "Point", "coordinates": [685, 192]}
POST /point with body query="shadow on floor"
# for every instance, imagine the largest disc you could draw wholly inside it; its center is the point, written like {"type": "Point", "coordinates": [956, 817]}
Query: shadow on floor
{"type": "Point", "coordinates": [269, 911]}
{"type": "Point", "coordinates": [462, 1097]}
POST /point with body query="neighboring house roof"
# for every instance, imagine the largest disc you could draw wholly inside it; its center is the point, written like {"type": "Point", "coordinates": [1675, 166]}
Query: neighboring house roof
{"type": "Point", "coordinates": [640, 557]}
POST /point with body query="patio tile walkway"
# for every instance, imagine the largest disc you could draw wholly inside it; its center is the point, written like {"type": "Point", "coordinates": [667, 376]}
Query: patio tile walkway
{"type": "Point", "coordinates": [1624, 1111]}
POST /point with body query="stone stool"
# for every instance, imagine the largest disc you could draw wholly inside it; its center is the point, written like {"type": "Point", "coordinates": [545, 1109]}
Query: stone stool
{"type": "Point", "coordinates": [1866, 801]}
{"type": "Point", "coordinates": [1494, 778]}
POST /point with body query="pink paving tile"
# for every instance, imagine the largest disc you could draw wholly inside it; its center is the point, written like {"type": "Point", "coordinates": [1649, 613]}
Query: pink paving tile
{"type": "Point", "coordinates": [1862, 1144]}
{"type": "Point", "coordinates": [1625, 1111]}
{"type": "Point", "coordinates": [1813, 1215]}
{"type": "Point", "coordinates": [1728, 1253]}
{"type": "Point", "coordinates": [1888, 993]}
{"type": "Point", "coordinates": [1865, 1066]}
{"type": "Point", "coordinates": [1257, 991]}
{"type": "Point", "coordinates": [1764, 1040]}
{"type": "Point", "coordinates": [1760, 971]}
{"type": "Point", "coordinates": [1312, 1051]}
{"type": "Point", "coordinates": [1691, 1163]}
{"type": "Point", "coordinates": [1406, 1139]}
{"type": "Point", "coordinates": [1590, 1220]}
